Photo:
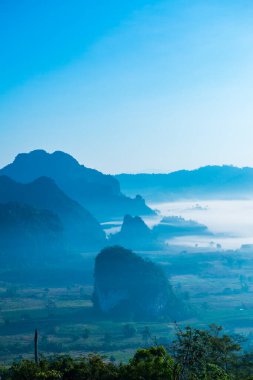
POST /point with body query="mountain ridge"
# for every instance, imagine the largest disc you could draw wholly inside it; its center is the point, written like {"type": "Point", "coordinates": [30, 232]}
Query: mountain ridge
{"type": "Point", "coordinates": [28, 235]}
{"type": "Point", "coordinates": [99, 193]}
{"type": "Point", "coordinates": [80, 227]}
{"type": "Point", "coordinates": [213, 181]}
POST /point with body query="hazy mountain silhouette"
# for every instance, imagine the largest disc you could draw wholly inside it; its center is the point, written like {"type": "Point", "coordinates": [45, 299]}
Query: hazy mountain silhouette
{"type": "Point", "coordinates": [97, 192]}
{"type": "Point", "coordinates": [81, 229]}
{"type": "Point", "coordinates": [225, 182]}
{"type": "Point", "coordinates": [28, 234]}
{"type": "Point", "coordinates": [127, 285]}
{"type": "Point", "coordinates": [134, 234]}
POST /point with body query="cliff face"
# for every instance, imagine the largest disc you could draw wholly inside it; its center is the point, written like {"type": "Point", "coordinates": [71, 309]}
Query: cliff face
{"type": "Point", "coordinates": [130, 287]}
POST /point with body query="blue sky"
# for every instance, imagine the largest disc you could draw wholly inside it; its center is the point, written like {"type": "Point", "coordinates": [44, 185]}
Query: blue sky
{"type": "Point", "coordinates": [128, 86]}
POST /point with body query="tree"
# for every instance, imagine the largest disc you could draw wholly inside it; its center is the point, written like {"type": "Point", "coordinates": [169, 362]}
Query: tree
{"type": "Point", "coordinates": [195, 355]}
{"type": "Point", "coordinates": [129, 330]}
{"type": "Point", "coordinates": [198, 351]}
{"type": "Point", "coordinates": [86, 333]}
{"type": "Point", "coordinates": [146, 334]}
{"type": "Point", "coordinates": [149, 364]}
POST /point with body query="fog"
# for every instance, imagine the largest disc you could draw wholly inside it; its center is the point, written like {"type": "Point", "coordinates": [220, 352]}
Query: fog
{"type": "Point", "coordinates": [231, 222]}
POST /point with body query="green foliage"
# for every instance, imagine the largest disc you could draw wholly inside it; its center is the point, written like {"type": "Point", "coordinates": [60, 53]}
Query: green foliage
{"type": "Point", "coordinates": [149, 364]}
{"type": "Point", "coordinates": [91, 368]}
{"type": "Point", "coordinates": [205, 354]}
{"type": "Point", "coordinates": [213, 372]}
{"type": "Point", "coordinates": [195, 355]}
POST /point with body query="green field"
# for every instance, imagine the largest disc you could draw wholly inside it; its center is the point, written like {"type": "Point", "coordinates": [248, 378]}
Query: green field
{"type": "Point", "coordinates": [218, 287]}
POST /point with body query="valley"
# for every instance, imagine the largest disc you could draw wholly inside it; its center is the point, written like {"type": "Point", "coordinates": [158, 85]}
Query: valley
{"type": "Point", "coordinates": [218, 287]}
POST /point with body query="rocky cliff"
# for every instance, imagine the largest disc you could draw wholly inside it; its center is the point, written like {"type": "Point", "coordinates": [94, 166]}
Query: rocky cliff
{"type": "Point", "coordinates": [128, 286]}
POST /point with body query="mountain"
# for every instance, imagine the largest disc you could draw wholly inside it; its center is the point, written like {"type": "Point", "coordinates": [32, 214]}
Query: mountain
{"type": "Point", "coordinates": [134, 234]}
{"type": "Point", "coordinates": [81, 230]}
{"type": "Point", "coordinates": [217, 182]}
{"type": "Point", "coordinates": [97, 192]}
{"type": "Point", "coordinates": [128, 286]}
{"type": "Point", "coordinates": [27, 234]}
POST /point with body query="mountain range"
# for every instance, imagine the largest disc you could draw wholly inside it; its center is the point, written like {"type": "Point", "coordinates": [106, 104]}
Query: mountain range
{"type": "Point", "coordinates": [69, 200]}
{"type": "Point", "coordinates": [49, 190]}
{"type": "Point", "coordinates": [95, 191]}
{"type": "Point", "coordinates": [81, 230]}
{"type": "Point", "coordinates": [209, 182]}
{"type": "Point", "coordinates": [28, 235]}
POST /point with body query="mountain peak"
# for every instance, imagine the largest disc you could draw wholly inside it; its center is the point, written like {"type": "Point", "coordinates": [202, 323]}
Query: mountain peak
{"type": "Point", "coordinates": [40, 156]}
{"type": "Point", "coordinates": [43, 180]}
{"type": "Point", "coordinates": [26, 167]}
{"type": "Point", "coordinates": [97, 192]}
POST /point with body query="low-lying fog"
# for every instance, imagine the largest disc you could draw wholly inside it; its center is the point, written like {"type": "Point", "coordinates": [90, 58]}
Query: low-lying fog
{"type": "Point", "coordinates": [230, 221]}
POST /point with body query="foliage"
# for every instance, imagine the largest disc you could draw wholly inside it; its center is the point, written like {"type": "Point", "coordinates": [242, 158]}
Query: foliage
{"type": "Point", "coordinates": [194, 355]}
{"type": "Point", "coordinates": [152, 363]}
{"type": "Point", "coordinates": [205, 354]}
{"type": "Point", "coordinates": [148, 364]}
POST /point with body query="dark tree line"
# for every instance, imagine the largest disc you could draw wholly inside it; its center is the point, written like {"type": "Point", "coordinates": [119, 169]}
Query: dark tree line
{"type": "Point", "coordinates": [194, 355]}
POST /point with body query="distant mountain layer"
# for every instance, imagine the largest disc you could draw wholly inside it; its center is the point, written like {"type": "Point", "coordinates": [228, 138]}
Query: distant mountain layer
{"type": "Point", "coordinates": [97, 192]}
{"type": "Point", "coordinates": [27, 234]}
{"type": "Point", "coordinates": [172, 226]}
{"type": "Point", "coordinates": [225, 182]}
{"type": "Point", "coordinates": [135, 234]}
{"type": "Point", "coordinates": [81, 230]}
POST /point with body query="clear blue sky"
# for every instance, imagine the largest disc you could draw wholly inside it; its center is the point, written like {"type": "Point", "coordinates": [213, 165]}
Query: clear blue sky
{"type": "Point", "coordinates": [128, 86]}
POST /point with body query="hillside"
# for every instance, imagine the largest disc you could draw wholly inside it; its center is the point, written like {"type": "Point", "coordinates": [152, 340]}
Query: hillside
{"type": "Point", "coordinates": [81, 229]}
{"type": "Point", "coordinates": [97, 192]}
{"type": "Point", "coordinates": [27, 234]}
{"type": "Point", "coordinates": [217, 182]}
